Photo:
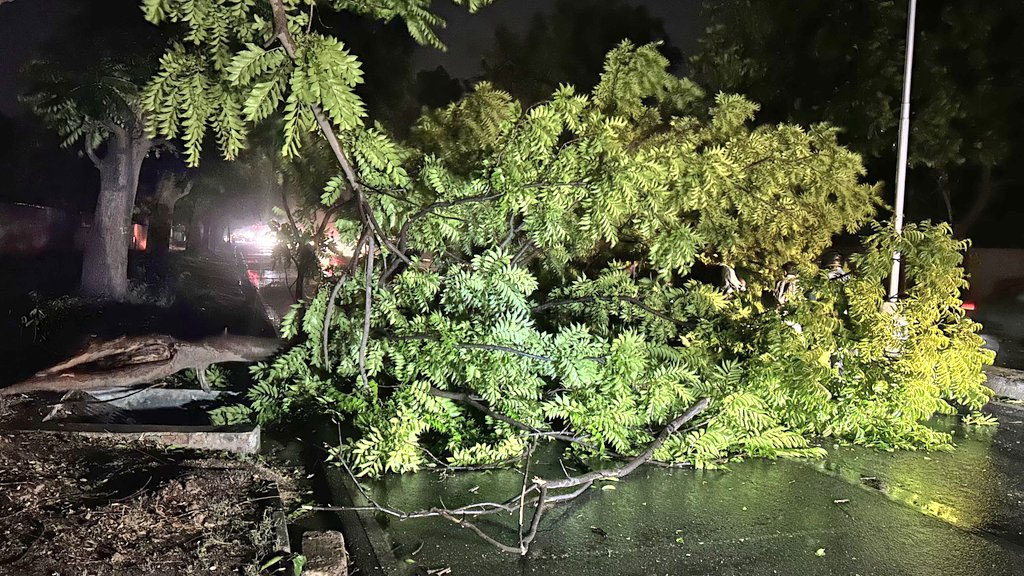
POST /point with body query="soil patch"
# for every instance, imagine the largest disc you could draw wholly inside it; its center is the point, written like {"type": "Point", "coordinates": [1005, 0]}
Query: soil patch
{"type": "Point", "coordinates": [73, 506]}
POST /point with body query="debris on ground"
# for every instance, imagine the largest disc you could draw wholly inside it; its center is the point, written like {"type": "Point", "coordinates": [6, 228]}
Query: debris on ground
{"type": "Point", "coordinates": [325, 554]}
{"type": "Point", "coordinates": [71, 505]}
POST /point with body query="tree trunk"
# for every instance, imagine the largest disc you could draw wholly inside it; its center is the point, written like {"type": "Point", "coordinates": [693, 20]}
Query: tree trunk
{"type": "Point", "coordinates": [105, 261]}
{"type": "Point", "coordinates": [158, 242]}
{"type": "Point", "coordinates": [213, 233]}
{"type": "Point", "coordinates": [980, 204]}
{"type": "Point", "coordinates": [160, 222]}
{"type": "Point", "coordinates": [943, 187]}
{"type": "Point", "coordinates": [194, 241]}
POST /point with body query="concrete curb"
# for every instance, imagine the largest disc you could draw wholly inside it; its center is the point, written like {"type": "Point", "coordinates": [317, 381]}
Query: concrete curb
{"type": "Point", "coordinates": [325, 553]}
{"type": "Point", "coordinates": [346, 493]}
{"type": "Point", "coordinates": [238, 439]}
{"type": "Point", "coordinates": [1006, 382]}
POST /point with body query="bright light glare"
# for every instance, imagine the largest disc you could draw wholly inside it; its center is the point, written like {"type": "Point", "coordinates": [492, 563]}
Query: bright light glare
{"type": "Point", "coordinates": [267, 239]}
{"type": "Point", "coordinates": [258, 234]}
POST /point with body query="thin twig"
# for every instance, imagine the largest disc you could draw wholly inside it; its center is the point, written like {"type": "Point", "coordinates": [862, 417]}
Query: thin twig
{"type": "Point", "coordinates": [467, 524]}
{"type": "Point", "coordinates": [513, 230]}
{"type": "Point", "coordinates": [367, 311]}
{"type": "Point", "coordinates": [334, 294]}
{"type": "Point", "coordinates": [489, 347]}
{"type": "Point", "coordinates": [328, 316]}
{"type": "Point", "coordinates": [508, 349]}
{"type": "Point", "coordinates": [542, 486]}
{"type": "Point", "coordinates": [475, 402]}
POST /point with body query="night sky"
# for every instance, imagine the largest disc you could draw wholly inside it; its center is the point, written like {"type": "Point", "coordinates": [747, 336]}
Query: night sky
{"type": "Point", "coordinates": [27, 25]}
{"type": "Point", "coordinates": [468, 36]}
{"type": "Point", "coordinates": [28, 28]}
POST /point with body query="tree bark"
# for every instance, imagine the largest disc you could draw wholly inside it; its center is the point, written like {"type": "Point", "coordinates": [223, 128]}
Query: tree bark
{"type": "Point", "coordinates": [194, 241]}
{"type": "Point", "coordinates": [980, 204]}
{"type": "Point", "coordinates": [213, 233]}
{"type": "Point", "coordinates": [132, 361]}
{"type": "Point", "coordinates": [160, 222]}
{"type": "Point", "coordinates": [105, 261]}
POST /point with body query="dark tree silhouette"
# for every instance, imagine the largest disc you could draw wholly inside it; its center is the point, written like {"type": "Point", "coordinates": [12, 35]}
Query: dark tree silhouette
{"type": "Point", "coordinates": [568, 45]}
{"type": "Point", "coordinates": [843, 62]}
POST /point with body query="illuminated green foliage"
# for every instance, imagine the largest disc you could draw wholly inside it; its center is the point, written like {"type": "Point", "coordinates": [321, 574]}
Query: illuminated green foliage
{"type": "Point", "coordinates": [532, 271]}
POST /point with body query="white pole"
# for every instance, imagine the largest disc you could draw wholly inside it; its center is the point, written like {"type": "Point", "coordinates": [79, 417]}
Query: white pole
{"type": "Point", "coordinates": [901, 152]}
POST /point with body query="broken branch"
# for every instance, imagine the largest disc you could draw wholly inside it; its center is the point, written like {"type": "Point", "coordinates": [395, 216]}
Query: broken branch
{"type": "Point", "coordinates": [518, 502]}
{"type": "Point", "coordinates": [144, 360]}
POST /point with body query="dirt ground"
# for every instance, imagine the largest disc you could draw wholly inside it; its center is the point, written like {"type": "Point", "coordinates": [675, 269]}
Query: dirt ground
{"type": "Point", "coordinates": [73, 506]}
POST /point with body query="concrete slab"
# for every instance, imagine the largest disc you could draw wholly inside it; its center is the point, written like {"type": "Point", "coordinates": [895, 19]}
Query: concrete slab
{"type": "Point", "coordinates": [1006, 382]}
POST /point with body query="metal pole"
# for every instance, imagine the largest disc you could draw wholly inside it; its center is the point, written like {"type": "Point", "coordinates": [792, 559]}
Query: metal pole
{"type": "Point", "coordinates": [901, 152]}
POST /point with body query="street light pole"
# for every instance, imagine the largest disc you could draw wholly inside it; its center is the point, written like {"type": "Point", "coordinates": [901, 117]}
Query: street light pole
{"type": "Point", "coordinates": [901, 152]}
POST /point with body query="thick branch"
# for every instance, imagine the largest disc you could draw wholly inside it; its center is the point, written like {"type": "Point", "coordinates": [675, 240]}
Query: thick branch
{"type": "Point", "coordinates": [181, 355]}
{"type": "Point", "coordinates": [184, 192]}
{"type": "Point", "coordinates": [89, 151]}
{"type": "Point", "coordinates": [284, 36]}
{"type": "Point", "coordinates": [636, 462]}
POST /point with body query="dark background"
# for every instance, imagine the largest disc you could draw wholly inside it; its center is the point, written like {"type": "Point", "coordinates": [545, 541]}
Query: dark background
{"type": "Point", "coordinates": [526, 47]}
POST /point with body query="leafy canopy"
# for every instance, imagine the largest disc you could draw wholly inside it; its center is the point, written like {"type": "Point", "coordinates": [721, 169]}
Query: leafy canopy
{"type": "Point", "coordinates": [90, 91]}
{"type": "Point", "coordinates": [536, 267]}
{"type": "Point", "coordinates": [220, 75]}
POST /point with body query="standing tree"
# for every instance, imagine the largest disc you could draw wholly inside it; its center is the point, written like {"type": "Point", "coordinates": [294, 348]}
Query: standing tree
{"type": "Point", "coordinates": [568, 45]}
{"type": "Point", "coordinates": [90, 96]}
{"type": "Point", "coordinates": [169, 190]}
{"type": "Point", "coordinates": [524, 273]}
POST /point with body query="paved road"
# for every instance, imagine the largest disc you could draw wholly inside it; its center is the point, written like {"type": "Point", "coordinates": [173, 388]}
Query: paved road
{"type": "Point", "coordinates": [273, 281]}
{"type": "Point", "coordinates": [858, 512]}
{"type": "Point", "coordinates": [1004, 320]}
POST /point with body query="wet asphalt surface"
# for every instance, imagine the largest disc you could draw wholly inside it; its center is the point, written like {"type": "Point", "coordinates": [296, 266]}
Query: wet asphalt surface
{"type": "Point", "coordinates": [856, 512]}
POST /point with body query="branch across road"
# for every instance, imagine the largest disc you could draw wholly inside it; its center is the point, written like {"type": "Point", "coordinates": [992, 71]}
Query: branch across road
{"type": "Point", "coordinates": [538, 493]}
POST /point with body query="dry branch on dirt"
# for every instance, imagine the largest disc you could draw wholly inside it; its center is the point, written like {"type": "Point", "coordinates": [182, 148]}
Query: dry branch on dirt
{"type": "Point", "coordinates": [133, 360]}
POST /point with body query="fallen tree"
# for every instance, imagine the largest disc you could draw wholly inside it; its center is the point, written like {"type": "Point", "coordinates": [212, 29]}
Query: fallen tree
{"type": "Point", "coordinates": [134, 360]}
{"type": "Point", "coordinates": [540, 493]}
{"type": "Point", "coordinates": [528, 273]}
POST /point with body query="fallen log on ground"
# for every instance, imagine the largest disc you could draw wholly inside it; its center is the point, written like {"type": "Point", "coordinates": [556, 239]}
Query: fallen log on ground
{"type": "Point", "coordinates": [134, 360]}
